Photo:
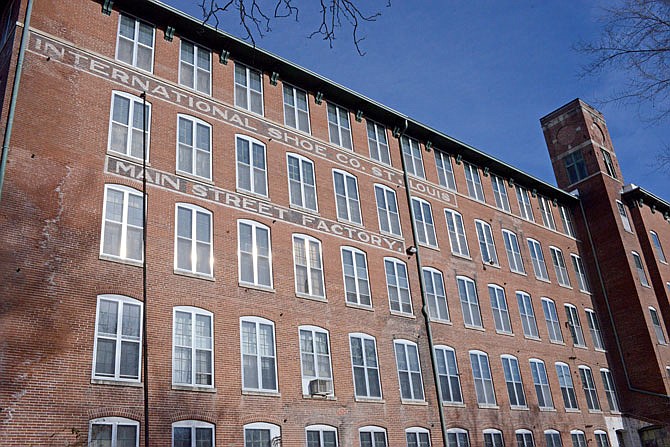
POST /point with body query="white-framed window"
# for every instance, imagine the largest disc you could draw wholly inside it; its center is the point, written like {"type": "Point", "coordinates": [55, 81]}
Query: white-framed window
{"type": "Point", "coordinates": [609, 165]}
{"type": "Point", "coordinates": [436, 297]}
{"type": "Point", "coordinates": [365, 366]}
{"type": "Point", "coordinates": [575, 166]}
{"type": "Point", "coordinates": [658, 329]}
{"type": "Point", "coordinates": [578, 438]}
{"type": "Point", "coordinates": [445, 170]}
{"type": "Point", "coordinates": [547, 214]}
{"type": "Point", "coordinates": [473, 182]}
{"type": "Point", "coordinates": [321, 436]}
{"type": "Point", "coordinates": [397, 285]}
{"type": "Point", "coordinates": [447, 371]}
{"type": "Point", "coordinates": [255, 253]}
{"type": "Point", "coordinates": [623, 214]}
{"type": "Point", "coordinates": [637, 260]}
{"type": "Point", "coordinates": [193, 434]}
{"type": "Point", "coordinates": [551, 317]}
{"type": "Point", "coordinates": [411, 152]}
{"type": "Point", "coordinates": [315, 361]}
{"type": "Point", "coordinates": [467, 292]}
{"type": "Point", "coordinates": [259, 358]}
{"type": "Point", "coordinates": [524, 438]}
{"type": "Point", "coordinates": [387, 210]}
{"type": "Point", "coordinates": [493, 438]}
{"type": "Point", "coordinates": [541, 382]}
{"type": "Point", "coordinates": [417, 437]}
{"type": "Point", "coordinates": [513, 252]}
{"type": "Point", "coordinates": [409, 370]}
{"type": "Point", "coordinates": [122, 227]}
{"type": "Point", "coordinates": [537, 258]}
{"type": "Point", "coordinates": [296, 109]}
{"type": "Point", "coordinates": [248, 89]}
{"type": "Point", "coordinates": [126, 125]}
{"type": "Point", "coordinates": [261, 434]}
{"type": "Point", "coordinates": [517, 397]}
{"type": "Point", "coordinates": [457, 437]}
{"type": "Point", "coordinates": [308, 265]}
{"type": "Point", "coordinates": [601, 438]}
{"type": "Point", "coordinates": [566, 385]}
{"type": "Point", "coordinates": [356, 281]}
{"type": "Point", "coordinates": [656, 242]}
{"type": "Point", "coordinates": [423, 220]}
{"type": "Point", "coordinates": [339, 127]}
{"type": "Point", "coordinates": [589, 387]}
{"type": "Point", "coordinates": [553, 438]}
{"type": "Point", "coordinates": [610, 391]}
{"type": "Point", "coordinates": [192, 347]}
{"type": "Point", "coordinates": [559, 265]}
{"type": "Point", "coordinates": [457, 239]}
{"type": "Point", "coordinates": [194, 146]}
{"type": "Point", "coordinates": [195, 67]}
{"type": "Point", "coordinates": [566, 220]}
{"type": "Point", "coordinates": [346, 197]}
{"type": "Point", "coordinates": [193, 240]}
{"type": "Point", "coordinates": [523, 199]}
{"type": "Point", "coordinates": [372, 436]}
{"type": "Point", "coordinates": [251, 158]}
{"type": "Point", "coordinates": [527, 315]}
{"type": "Point", "coordinates": [113, 432]}
{"type": "Point", "coordinates": [378, 143]}
{"type": "Point", "coordinates": [135, 43]}
{"type": "Point", "coordinates": [500, 193]}
{"type": "Point", "coordinates": [580, 273]}
{"type": "Point", "coordinates": [301, 182]}
{"type": "Point", "coordinates": [486, 244]}
{"type": "Point", "coordinates": [499, 308]}
{"type": "Point", "coordinates": [574, 325]}
{"type": "Point", "coordinates": [481, 373]}
{"type": "Point", "coordinates": [594, 329]}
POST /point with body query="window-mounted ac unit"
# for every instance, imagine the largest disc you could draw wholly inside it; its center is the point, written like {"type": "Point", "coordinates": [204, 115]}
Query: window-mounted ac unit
{"type": "Point", "coordinates": [320, 387]}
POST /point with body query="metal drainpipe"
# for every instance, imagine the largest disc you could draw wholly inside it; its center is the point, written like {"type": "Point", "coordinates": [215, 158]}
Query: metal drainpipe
{"type": "Point", "coordinates": [145, 343]}
{"type": "Point", "coordinates": [609, 310]}
{"type": "Point", "coordinates": [424, 306]}
{"type": "Point", "coordinates": [15, 92]}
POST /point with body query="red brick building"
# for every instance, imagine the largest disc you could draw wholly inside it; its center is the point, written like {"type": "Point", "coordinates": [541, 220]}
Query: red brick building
{"type": "Point", "coordinates": [313, 268]}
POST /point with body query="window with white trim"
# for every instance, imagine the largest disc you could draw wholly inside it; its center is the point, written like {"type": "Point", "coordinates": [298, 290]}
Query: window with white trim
{"type": "Point", "coordinates": [537, 258]}
{"type": "Point", "coordinates": [481, 373]}
{"type": "Point", "coordinates": [523, 199]}
{"type": "Point", "coordinates": [259, 358]}
{"type": "Point", "coordinates": [449, 377]}
{"type": "Point", "coordinates": [658, 329]}
{"type": "Point", "coordinates": [566, 385]}
{"type": "Point", "coordinates": [113, 432]}
{"type": "Point", "coordinates": [559, 265]}
{"type": "Point", "coordinates": [500, 193]}
{"type": "Point", "coordinates": [551, 317]}
{"type": "Point", "coordinates": [192, 347]}
{"type": "Point", "coordinates": [301, 182]}
{"type": "Point", "coordinates": [118, 339]}
{"type": "Point", "coordinates": [192, 434]}
{"type": "Point", "coordinates": [517, 397]}
{"type": "Point", "coordinates": [547, 214]}
{"type": "Point", "coordinates": [346, 197]}
{"type": "Point", "coordinates": [261, 434]}
{"type": "Point", "coordinates": [371, 436]}
{"type": "Point", "coordinates": [642, 276]}
{"type": "Point", "coordinates": [541, 382]}
{"type": "Point", "coordinates": [574, 325]}
{"type": "Point", "coordinates": [473, 182]}
{"type": "Point", "coordinates": [417, 437]}
{"type": "Point", "coordinates": [513, 252]}
{"type": "Point", "coordinates": [499, 308]}
{"type": "Point", "coordinates": [409, 370]}
{"type": "Point", "coordinates": [457, 239]}
{"type": "Point", "coordinates": [248, 89]}
{"type": "Point", "coordinates": [397, 285]}
{"type": "Point", "coordinates": [594, 329]}
{"type": "Point", "coordinates": [436, 297]}
{"type": "Point", "coordinates": [377, 142]}
{"type": "Point", "coordinates": [365, 366]}
{"type": "Point", "coordinates": [135, 43]}
{"type": "Point", "coordinates": [623, 214]}
{"type": "Point", "coordinates": [195, 67]}
{"type": "Point", "coordinates": [601, 438]}
{"type": "Point", "coordinates": [609, 165]}
{"type": "Point", "coordinates": [315, 358]}
{"type": "Point", "coordinates": [580, 273]}
{"type": "Point", "coordinates": [524, 438]}
{"type": "Point", "coordinates": [656, 242]}
{"type": "Point", "coordinates": [411, 152]}
{"type": "Point", "coordinates": [575, 166]}
{"type": "Point", "coordinates": [308, 266]}
{"type": "Point", "coordinates": [486, 244]}
{"type": "Point", "coordinates": [255, 253]}
{"type": "Point", "coordinates": [251, 165]}
{"type": "Point", "coordinates": [423, 220]}
{"type": "Point", "coordinates": [589, 387]}
{"type": "Point", "coordinates": [493, 438]}
{"type": "Point", "coordinates": [339, 127]}
{"type": "Point", "coordinates": [194, 147]}
{"type": "Point", "coordinates": [553, 438]}
{"type": "Point", "coordinates": [445, 170]}
{"type": "Point", "coordinates": [387, 210]}
{"type": "Point", "coordinates": [193, 253]}
{"type": "Point", "coordinates": [321, 436]}
{"type": "Point", "coordinates": [457, 437]}
{"type": "Point", "coordinates": [527, 315]}
{"type": "Point", "coordinates": [610, 391]}
{"type": "Point", "coordinates": [122, 228]}
{"type": "Point", "coordinates": [296, 109]}
{"type": "Point", "coordinates": [467, 292]}
{"type": "Point", "coordinates": [356, 281]}
{"type": "Point", "coordinates": [566, 220]}
{"type": "Point", "coordinates": [578, 438]}
{"type": "Point", "coordinates": [126, 125]}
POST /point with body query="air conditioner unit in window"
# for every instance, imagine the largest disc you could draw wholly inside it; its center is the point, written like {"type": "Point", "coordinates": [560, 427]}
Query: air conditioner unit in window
{"type": "Point", "coordinates": [320, 387]}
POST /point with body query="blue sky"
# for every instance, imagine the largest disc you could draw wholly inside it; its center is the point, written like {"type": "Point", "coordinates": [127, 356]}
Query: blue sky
{"type": "Point", "coordinates": [483, 72]}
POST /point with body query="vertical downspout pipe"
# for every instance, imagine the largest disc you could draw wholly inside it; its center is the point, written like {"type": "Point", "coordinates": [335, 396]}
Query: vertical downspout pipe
{"type": "Point", "coordinates": [422, 286]}
{"type": "Point", "coordinates": [145, 354]}
{"type": "Point", "coordinates": [15, 93]}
